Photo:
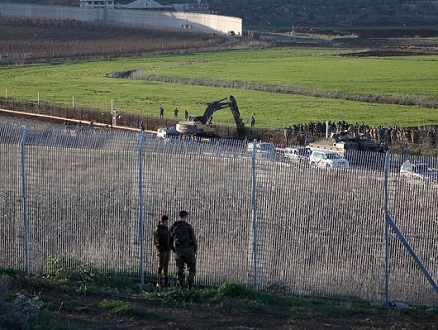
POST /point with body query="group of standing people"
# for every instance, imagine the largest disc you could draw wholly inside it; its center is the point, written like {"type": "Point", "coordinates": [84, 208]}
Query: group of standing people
{"type": "Point", "coordinates": [175, 113]}
{"type": "Point", "coordinates": [179, 239]}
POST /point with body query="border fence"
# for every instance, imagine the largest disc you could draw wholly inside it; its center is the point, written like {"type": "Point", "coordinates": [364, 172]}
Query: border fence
{"type": "Point", "coordinates": [94, 197]}
{"type": "Point", "coordinates": [423, 139]}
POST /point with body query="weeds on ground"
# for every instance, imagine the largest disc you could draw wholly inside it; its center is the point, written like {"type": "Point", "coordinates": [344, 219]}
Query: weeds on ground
{"type": "Point", "coordinates": [21, 310]}
{"type": "Point", "coordinates": [129, 309]}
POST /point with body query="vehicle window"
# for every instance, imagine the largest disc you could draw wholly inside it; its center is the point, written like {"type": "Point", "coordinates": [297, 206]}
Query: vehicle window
{"type": "Point", "coordinates": [304, 152]}
{"type": "Point", "coordinates": [421, 168]}
{"type": "Point", "coordinates": [333, 156]}
{"type": "Point", "coordinates": [265, 147]}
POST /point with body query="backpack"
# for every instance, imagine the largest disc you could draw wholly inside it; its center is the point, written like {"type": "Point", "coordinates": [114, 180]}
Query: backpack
{"type": "Point", "coordinates": [181, 234]}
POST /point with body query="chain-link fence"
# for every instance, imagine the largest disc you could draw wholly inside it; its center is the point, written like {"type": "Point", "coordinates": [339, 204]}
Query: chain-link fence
{"type": "Point", "coordinates": [267, 223]}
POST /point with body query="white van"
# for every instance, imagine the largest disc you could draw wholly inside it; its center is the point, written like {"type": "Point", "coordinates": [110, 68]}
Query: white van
{"type": "Point", "coordinates": [297, 154]}
{"type": "Point", "coordinates": [166, 132]}
{"type": "Point", "coordinates": [265, 149]}
{"type": "Point", "coordinates": [327, 159]}
{"type": "Point", "coordinates": [418, 170]}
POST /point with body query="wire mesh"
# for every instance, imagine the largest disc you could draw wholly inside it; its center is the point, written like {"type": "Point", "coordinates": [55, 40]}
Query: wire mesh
{"type": "Point", "coordinates": [320, 232]}
{"type": "Point", "coordinates": [413, 207]}
{"type": "Point", "coordinates": [11, 213]}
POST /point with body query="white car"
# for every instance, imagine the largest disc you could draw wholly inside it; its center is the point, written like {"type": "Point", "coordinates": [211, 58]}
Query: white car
{"type": "Point", "coordinates": [166, 132]}
{"type": "Point", "coordinates": [417, 170]}
{"type": "Point", "coordinates": [297, 154]}
{"type": "Point", "coordinates": [264, 148]}
{"type": "Point", "coordinates": [328, 159]}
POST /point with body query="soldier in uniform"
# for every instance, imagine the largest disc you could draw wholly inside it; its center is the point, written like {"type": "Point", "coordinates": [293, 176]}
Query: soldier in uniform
{"type": "Point", "coordinates": [162, 245]}
{"type": "Point", "coordinates": [183, 243]}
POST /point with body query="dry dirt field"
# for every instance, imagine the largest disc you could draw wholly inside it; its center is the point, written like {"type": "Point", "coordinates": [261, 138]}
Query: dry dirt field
{"type": "Point", "coordinates": [28, 40]}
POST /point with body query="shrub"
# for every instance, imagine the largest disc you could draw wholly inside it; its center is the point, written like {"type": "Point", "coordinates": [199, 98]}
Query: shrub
{"type": "Point", "coordinates": [68, 268]}
{"type": "Point", "coordinates": [20, 313]}
{"type": "Point", "coordinates": [181, 297]}
{"type": "Point", "coordinates": [234, 290]}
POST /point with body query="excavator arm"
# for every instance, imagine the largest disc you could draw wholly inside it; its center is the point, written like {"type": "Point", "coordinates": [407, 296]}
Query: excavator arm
{"type": "Point", "coordinates": [211, 109]}
{"type": "Point", "coordinates": [217, 105]}
{"type": "Point", "coordinates": [203, 122]}
{"type": "Point", "coordinates": [236, 114]}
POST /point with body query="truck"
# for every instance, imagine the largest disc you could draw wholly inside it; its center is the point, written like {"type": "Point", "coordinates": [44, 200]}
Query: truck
{"type": "Point", "coordinates": [202, 126]}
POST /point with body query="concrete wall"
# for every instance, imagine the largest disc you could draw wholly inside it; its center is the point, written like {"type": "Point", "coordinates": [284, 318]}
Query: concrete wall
{"type": "Point", "coordinates": [206, 22]}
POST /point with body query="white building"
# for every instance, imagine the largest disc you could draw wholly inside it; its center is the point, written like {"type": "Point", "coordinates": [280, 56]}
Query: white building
{"type": "Point", "coordinates": [146, 5]}
{"type": "Point", "coordinates": [169, 18]}
{"type": "Point", "coordinates": [108, 4]}
{"type": "Point", "coordinates": [154, 5]}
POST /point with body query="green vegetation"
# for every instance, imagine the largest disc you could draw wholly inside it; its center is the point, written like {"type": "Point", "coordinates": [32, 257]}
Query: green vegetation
{"type": "Point", "coordinates": [325, 81]}
{"type": "Point", "coordinates": [130, 309]}
{"type": "Point", "coordinates": [43, 303]}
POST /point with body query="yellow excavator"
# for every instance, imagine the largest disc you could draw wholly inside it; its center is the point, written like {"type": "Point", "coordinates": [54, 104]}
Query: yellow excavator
{"type": "Point", "coordinates": [201, 125]}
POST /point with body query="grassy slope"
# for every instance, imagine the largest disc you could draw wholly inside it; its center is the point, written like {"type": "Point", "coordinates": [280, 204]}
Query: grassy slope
{"type": "Point", "coordinates": [311, 70]}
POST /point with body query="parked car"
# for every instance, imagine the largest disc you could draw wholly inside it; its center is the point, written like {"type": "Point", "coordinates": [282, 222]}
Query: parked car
{"type": "Point", "coordinates": [418, 170]}
{"type": "Point", "coordinates": [297, 154]}
{"type": "Point", "coordinates": [265, 149]}
{"type": "Point", "coordinates": [328, 159]}
{"type": "Point", "coordinates": [166, 132]}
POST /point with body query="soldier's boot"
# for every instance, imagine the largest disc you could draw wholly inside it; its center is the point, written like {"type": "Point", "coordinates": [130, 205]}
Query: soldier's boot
{"type": "Point", "coordinates": [166, 282]}
{"type": "Point", "coordinates": [181, 278]}
{"type": "Point", "coordinates": [190, 280]}
{"type": "Point", "coordinates": [159, 285]}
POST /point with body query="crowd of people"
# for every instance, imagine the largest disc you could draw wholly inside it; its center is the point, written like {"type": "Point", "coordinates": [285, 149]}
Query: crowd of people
{"type": "Point", "coordinates": [388, 135]}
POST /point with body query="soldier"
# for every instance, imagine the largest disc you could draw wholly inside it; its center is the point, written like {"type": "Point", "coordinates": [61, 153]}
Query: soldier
{"type": "Point", "coordinates": [161, 112]}
{"type": "Point", "coordinates": [183, 243]}
{"type": "Point", "coordinates": [162, 245]}
{"type": "Point", "coordinates": [186, 114]}
{"type": "Point", "coordinates": [175, 113]}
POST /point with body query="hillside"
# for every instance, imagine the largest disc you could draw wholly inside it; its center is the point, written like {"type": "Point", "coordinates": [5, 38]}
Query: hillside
{"type": "Point", "coordinates": [285, 13]}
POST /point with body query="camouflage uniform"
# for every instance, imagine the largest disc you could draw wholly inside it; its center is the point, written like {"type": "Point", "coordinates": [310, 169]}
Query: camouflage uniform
{"type": "Point", "coordinates": [183, 243]}
{"type": "Point", "coordinates": [162, 246]}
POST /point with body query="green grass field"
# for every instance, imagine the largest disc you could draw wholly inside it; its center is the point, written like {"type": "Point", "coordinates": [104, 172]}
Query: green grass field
{"type": "Point", "coordinates": [310, 70]}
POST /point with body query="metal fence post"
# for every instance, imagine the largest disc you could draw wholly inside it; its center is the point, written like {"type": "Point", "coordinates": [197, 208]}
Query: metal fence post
{"type": "Point", "coordinates": [141, 205]}
{"type": "Point", "coordinates": [386, 169]}
{"type": "Point", "coordinates": [24, 195]}
{"type": "Point", "coordinates": [254, 214]}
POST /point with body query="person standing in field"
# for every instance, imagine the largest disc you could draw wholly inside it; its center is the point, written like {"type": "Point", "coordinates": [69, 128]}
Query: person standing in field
{"type": "Point", "coordinates": [175, 113]}
{"type": "Point", "coordinates": [183, 243]}
{"type": "Point", "coordinates": [161, 112]}
{"type": "Point", "coordinates": [162, 246]}
{"type": "Point", "coordinates": [252, 121]}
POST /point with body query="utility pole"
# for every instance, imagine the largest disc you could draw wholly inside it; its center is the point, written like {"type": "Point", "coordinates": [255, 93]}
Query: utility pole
{"type": "Point", "coordinates": [105, 11]}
